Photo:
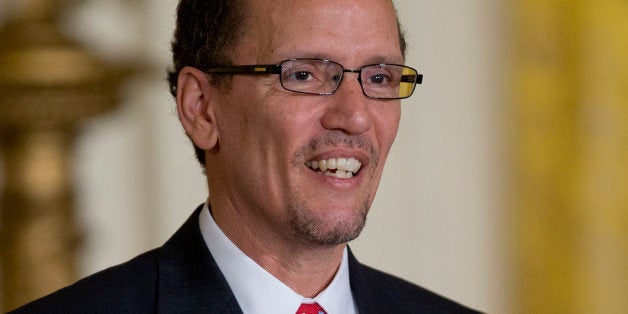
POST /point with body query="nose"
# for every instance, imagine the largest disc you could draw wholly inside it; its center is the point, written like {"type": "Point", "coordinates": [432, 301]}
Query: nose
{"type": "Point", "coordinates": [348, 108]}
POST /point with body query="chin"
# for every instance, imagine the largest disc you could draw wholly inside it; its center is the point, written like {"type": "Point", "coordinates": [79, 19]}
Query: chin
{"type": "Point", "coordinates": [329, 227]}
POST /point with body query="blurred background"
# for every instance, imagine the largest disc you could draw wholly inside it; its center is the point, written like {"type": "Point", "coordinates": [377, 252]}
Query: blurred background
{"type": "Point", "coordinates": [507, 187]}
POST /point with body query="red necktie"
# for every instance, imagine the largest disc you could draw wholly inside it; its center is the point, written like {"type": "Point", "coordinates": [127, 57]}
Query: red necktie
{"type": "Point", "coordinates": [312, 308]}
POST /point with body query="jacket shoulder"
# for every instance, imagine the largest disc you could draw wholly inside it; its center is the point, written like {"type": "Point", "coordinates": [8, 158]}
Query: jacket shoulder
{"type": "Point", "coordinates": [378, 292]}
{"type": "Point", "coordinates": [125, 288]}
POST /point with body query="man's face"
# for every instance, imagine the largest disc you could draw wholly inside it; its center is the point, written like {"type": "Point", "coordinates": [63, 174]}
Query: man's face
{"type": "Point", "coordinates": [270, 138]}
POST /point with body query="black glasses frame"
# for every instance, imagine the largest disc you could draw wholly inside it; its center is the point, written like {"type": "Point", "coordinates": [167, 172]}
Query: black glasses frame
{"type": "Point", "coordinates": [277, 68]}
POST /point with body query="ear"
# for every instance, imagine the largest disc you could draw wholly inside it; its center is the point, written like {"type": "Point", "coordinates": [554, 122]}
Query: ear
{"type": "Point", "coordinates": [195, 106]}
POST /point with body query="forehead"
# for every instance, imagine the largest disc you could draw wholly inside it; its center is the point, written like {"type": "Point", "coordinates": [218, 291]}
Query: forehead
{"type": "Point", "coordinates": [336, 29]}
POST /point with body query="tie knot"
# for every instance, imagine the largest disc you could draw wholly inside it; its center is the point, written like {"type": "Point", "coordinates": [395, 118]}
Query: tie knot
{"type": "Point", "coordinates": [310, 308]}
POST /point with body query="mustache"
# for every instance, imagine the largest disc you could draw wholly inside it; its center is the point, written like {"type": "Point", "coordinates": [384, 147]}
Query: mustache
{"type": "Point", "coordinates": [336, 139]}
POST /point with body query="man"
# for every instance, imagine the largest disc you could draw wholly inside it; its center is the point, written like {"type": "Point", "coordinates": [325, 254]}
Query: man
{"type": "Point", "coordinates": [294, 146]}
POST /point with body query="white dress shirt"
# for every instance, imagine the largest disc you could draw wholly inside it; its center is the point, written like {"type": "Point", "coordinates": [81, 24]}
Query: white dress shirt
{"type": "Point", "coordinates": [259, 292]}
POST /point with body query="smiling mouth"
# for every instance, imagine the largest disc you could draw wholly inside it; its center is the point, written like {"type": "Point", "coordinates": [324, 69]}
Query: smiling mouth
{"type": "Point", "coordinates": [343, 168]}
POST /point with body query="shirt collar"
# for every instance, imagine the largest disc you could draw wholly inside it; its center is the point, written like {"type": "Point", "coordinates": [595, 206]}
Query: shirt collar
{"type": "Point", "coordinates": [257, 291]}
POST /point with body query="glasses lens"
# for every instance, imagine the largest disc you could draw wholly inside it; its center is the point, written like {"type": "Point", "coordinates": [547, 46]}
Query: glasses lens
{"type": "Point", "coordinates": [388, 81]}
{"type": "Point", "coordinates": [312, 76]}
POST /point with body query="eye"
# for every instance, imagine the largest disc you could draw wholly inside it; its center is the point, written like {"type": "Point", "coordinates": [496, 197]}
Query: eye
{"type": "Point", "coordinates": [301, 75]}
{"type": "Point", "coordinates": [379, 79]}
{"type": "Point", "coordinates": [310, 76]}
{"type": "Point", "coordinates": [300, 71]}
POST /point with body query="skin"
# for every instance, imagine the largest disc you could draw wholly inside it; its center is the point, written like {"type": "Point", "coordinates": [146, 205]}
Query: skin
{"type": "Point", "coordinates": [291, 220]}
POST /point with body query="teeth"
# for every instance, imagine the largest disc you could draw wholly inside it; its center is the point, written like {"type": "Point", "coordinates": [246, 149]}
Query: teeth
{"type": "Point", "coordinates": [341, 163]}
{"type": "Point", "coordinates": [331, 164]}
{"type": "Point", "coordinates": [322, 164]}
{"type": "Point", "coordinates": [345, 167]}
{"type": "Point", "coordinates": [339, 174]}
{"type": "Point", "coordinates": [353, 165]}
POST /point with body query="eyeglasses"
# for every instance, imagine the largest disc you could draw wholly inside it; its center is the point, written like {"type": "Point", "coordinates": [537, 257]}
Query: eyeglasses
{"type": "Point", "coordinates": [323, 77]}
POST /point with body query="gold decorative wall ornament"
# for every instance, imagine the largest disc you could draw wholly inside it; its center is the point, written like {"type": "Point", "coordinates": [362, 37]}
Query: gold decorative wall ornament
{"type": "Point", "coordinates": [48, 85]}
{"type": "Point", "coordinates": [570, 155]}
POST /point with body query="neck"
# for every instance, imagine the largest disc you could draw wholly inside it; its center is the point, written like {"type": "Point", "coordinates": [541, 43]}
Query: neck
{"type": "Point", "coordinates": [304, 267]}
{"type": "Point", "coordinates": [307, 274]}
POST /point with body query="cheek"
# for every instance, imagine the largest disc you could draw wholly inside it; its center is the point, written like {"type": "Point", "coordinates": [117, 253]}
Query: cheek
{"type": "Point", "coordinates": [265, 131]}
{"type": "Point", "coordinates": [244, 116]}
{"type": "Point", "coordinates": [387, 124]}
{"type": "Point", "coordinates": [290, 118]}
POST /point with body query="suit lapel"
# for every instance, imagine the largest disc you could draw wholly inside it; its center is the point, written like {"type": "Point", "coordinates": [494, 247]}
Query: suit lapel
{"type": "Point", "coordinates": [189, 279]}
{"type": "Point", "coordinates": [191, 282]}
{"type": "Point", "coordinates": [361, 288]}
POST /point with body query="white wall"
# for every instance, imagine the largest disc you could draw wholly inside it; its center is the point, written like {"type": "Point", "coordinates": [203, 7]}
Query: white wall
{"type": "Point", "coordinates": [436, 220]}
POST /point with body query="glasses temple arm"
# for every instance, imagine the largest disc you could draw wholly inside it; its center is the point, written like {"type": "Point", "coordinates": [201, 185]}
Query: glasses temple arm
{"type": "Point", "coordinates": [411, 78]}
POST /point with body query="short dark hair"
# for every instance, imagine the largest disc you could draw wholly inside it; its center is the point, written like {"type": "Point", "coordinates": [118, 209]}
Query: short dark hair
{"type": "Point", "coordinates": [205, 31]}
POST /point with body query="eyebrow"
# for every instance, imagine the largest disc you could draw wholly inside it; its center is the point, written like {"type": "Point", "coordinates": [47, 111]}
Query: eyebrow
{"type": "Point", "coordinates": [385, 59]}
{"type": "Point", "coordinates": [299, 53]}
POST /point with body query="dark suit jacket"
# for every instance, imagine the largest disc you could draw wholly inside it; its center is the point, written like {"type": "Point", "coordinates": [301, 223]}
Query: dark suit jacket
{"type": "Point", "coordinates": [182, 277]}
